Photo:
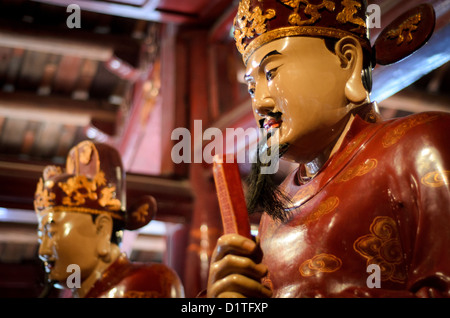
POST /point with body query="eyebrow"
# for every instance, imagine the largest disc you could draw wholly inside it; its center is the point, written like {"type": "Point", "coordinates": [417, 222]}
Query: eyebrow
{"type": "Point", "coordinates": [271, 53]}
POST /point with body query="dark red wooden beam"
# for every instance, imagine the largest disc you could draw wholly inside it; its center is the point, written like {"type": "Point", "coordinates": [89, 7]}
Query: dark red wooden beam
{"type": "Point", "coordinates": [18, 183]}
{"type": "Point", "coordinates": [176, 11]}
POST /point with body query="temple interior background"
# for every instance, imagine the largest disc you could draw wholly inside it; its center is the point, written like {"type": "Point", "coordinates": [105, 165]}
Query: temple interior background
{"type": "Point", "coordinates": [133, 72]}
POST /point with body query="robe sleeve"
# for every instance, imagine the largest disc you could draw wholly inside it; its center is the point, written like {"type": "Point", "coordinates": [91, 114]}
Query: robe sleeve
{"type": "Point", "coordinates": [421, 188]}
{"type": "Point", "coordinates": [429, 270]}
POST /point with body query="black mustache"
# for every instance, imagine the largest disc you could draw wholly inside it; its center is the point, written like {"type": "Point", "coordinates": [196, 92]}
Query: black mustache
{"type": "Point", "coordinates": [276, 116]}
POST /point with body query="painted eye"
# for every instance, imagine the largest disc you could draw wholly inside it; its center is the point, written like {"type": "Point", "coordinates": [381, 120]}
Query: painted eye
{"type": "Point", "coordinates": [251, 91]}
{"type": "Point", "coordinates": [271, 74]}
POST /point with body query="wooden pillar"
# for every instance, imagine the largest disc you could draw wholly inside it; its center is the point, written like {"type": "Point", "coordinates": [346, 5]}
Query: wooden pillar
{"type": "Point", "coordinates": [175, 255]}
{"type": "Point", "coordinates": [205, 227]}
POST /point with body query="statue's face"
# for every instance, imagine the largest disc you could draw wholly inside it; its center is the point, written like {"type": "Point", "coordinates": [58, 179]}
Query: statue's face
{"type": "Point", "coordinates": [67, 238]}
{"type": "Point", "coordinates": [300, 80]}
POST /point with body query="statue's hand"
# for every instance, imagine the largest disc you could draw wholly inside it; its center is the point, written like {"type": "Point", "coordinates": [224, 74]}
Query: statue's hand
{"type": "Point", "coordinates": [236, 269]}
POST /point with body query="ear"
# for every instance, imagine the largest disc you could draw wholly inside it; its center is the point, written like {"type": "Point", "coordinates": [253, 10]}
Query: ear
{"type": "Point", "coordinates": [350, 52]}
{"type": "Point", "coordinates": [104, 226]}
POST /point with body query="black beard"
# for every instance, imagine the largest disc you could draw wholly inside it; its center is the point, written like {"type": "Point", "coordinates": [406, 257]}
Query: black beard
{"type": "Point", "coordinates": [263, 194]}
{"type": "Point", "coordinates": [48, 287]}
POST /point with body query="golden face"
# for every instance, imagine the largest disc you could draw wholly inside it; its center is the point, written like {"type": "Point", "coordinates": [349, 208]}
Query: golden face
{"type": "Point", "coordinates": [67, 238]}
{"type": "Point", "coordinates": [298, 85]}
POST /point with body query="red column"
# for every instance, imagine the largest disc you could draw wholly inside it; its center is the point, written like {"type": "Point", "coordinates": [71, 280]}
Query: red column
{"type": "Point", "coordinates": [205, 227]}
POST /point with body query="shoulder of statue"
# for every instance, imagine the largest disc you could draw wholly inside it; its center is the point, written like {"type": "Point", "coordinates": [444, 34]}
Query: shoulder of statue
{"type": "Point", "coordinates": [153, 268]}
{"type": "Point", "coordinates": [415, 146]}
{"type": "Point", "coordinates": [416, 130]}
{"type": "Point", "coordinates": [155, 277]}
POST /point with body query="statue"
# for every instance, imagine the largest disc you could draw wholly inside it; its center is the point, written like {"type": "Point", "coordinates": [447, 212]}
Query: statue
{"type": "Point", "coordinates": [367, 212]}
{"type": "Point", "coordinates": [82, 214]}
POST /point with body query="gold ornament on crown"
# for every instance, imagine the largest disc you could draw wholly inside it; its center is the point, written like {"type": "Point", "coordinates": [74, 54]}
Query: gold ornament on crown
{"type": "Point", "coordinates": [44, 198]}
{"type": "Point", "coordinates": [351, 8]}
{"type": "Point", "coordinates": [77, 190]}
{"type": "Point", "coordinates": [80, 188]}
{"type": "Point", "coordinates": [252, 23]}
{"type": "Point", "coordinates": [257, 20]}
{"type": "Point", "coordinates": [311, 10]}
{"type": "Point", "coordinates": [410, 25]}
{"type": "Point", "coordinates": [141, 213]}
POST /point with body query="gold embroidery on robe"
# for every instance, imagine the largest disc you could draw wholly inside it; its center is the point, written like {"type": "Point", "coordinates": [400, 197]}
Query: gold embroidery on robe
{"type": "Point", "coordinates": [436, 179]}
{"type": "Point", "coordinates": [325, 207]}
{"type": "Point", "coordinates": [141, 294]}
{"type": "Point", "coordinates": [302, 194]}
{"type": "Point", "coordinates": [383, 247]}
{"type": "Point", "coordinates": [396, 133]}
{"type": "Point", "coordinates": [322, 263]}
{"type": "Point", "coordinates": [350, 148]}
{"type": "Point", "coordinates": [357, 171]}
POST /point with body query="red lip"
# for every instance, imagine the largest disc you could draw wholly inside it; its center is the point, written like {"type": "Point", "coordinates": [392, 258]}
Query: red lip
{"type": "Point", "coordinates": [272, 123]}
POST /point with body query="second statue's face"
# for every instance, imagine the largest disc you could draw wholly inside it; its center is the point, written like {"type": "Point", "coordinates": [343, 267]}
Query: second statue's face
{"type": "Point", "coordinates": [298, 85]}
{"type": "Point", "coordinates": [67, 238]}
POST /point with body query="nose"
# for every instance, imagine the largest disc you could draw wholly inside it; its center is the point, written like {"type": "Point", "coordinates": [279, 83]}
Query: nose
{"type": "Point", "coordinates": [264, 107]}
{"type": "Point", "coordinates": [45, 250]}
{"type": "Point", "coordinates": [263, 103]}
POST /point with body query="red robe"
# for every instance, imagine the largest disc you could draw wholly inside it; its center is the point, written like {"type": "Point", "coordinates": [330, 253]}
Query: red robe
{"type": "Point", "coordinates": [383, 198]}
{"type": "Point", "coordinates": [124, 279]}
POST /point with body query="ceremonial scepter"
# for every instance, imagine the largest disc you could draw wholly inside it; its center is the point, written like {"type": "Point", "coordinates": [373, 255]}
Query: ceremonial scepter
{"type": "Point", "coordinates": [230, 194]}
